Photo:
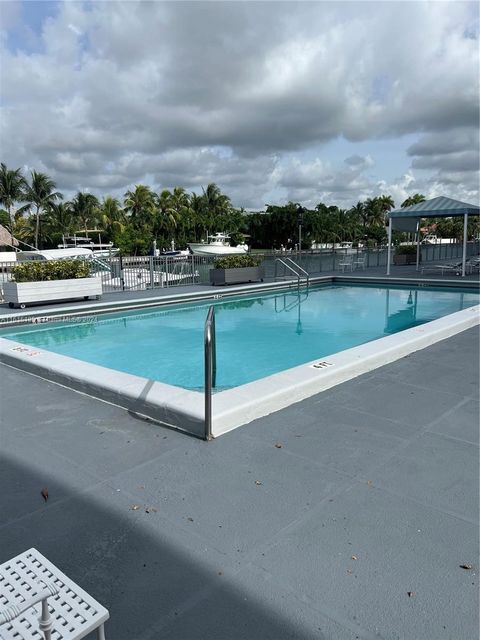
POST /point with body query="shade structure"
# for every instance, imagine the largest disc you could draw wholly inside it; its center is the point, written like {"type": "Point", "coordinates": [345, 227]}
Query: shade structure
{"type": "Point", "coordinates": [440, 207]}
{"type": "Point", "coordinates": [408, 218]}
{"type": "Point", "coordinates": [6, 238]}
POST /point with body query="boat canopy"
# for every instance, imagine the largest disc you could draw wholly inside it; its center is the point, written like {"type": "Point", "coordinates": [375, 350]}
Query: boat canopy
{"type": "Point", "coordinates": [55, 254]}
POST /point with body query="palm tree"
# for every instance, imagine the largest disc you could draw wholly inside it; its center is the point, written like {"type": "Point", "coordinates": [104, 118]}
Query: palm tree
{"type": "Point", "coordinates": [12, 186]}
{"type": "Point", "coordinates": [85, 209]}
{"type": "Point", "coordinates": [375, 211]}
{"type": "Point", "coordinates": [112, 216]}
{"type": "Point", "coordinates": [140, 204]}
{"type": "Point", "coordinates": [386, 203]}
{"type": "Point", "coordinates": [58, 220]}
{"type": "Point", "coordinates": [197, 207]}
{"type": "Point", "coordinates": [216, 204]}
{"type": "Point", "coordinates": [40, 194]}
{"type": "Point", "coordinates": [168, 210]}
{"type": "Point", "coordinates": [25, 230]}
{"type": "Point", "coordinates": [415, 199]}
{"type": "Point", "coordinates": [360, 212]}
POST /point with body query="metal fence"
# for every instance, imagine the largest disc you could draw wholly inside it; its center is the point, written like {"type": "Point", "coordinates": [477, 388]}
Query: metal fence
{"type": "Point", "coordinates": [137, 273]}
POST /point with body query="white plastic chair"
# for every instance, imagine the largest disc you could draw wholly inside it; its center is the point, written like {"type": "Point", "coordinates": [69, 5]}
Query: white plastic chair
{"type": "Point", "coordinates": [346, 263]}
{"type": "Point", "coordinates": [38, 600]}
{"type": "Point", "coordinates": [359, 262]}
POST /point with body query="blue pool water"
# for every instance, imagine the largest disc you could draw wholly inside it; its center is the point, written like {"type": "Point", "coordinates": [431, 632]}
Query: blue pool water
{"type": "Point", "coordinates": [257, 335]}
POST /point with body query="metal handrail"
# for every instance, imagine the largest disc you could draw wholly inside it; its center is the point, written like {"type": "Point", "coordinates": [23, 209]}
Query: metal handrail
{"type": "Point", "coordinates": [210, 368]}
{"type": "Point", "coordinates": [297, 266]}
{"type": "Point", "coordinates": [288, 266]}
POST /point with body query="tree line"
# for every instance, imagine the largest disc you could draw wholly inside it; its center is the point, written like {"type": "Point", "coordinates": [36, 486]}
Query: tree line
{"type": "Point", "coordinates": [37, 214]}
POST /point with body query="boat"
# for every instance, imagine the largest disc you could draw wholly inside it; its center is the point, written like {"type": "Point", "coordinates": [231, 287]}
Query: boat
{"type": "Point", "coordinates": [100, 249]}
{"type": "Point", "coordinates": [217, 245]}
{"type": "Point", "coordinates": [82, 253]}
{"type": "Point", "coordinates": [345, 247]}
{"type": "Point", "coordinates": [172, 252]}
{"type": "Point", "coordinates": [431, 238]}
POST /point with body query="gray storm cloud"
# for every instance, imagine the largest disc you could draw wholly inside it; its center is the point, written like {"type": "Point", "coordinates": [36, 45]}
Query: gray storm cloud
{"type": "Point", "coordinates": [238, 93]}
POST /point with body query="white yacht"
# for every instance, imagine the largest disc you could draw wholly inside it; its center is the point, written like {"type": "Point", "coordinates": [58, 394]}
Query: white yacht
{"type": "Point", "coordinates": [100, 249]}
{"type": "Point", "coordinates": [83, 253]}
{"type": "Point", "coordinates": [346, 247]}
{"type": "Point", "coordinates": [217, 245]}
{"type": "Point", "coordinates": [431, 238]}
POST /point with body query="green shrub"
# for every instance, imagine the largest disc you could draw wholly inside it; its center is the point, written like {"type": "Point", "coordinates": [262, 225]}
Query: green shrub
{"type": "Point", "coordinates": [406, 250]}
{"type": "Point", "coordinates": [237, 262]}
{"type": "Point", "coordinates": [37, 270]}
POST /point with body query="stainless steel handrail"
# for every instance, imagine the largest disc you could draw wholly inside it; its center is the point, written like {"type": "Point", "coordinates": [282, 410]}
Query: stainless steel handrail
{"type": "Point", "coordinates": [297, 266]}
{"type": "Point", "coordinates": [277, 260]}
{"type": "Point", "coordinates": [288, 266]}
{"type": "Point", "coordinates": [210, 369]}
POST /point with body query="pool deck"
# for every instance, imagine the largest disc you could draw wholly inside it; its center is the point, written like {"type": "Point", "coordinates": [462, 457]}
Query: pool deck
{"type": "Point", "coordinates": [348, 515]}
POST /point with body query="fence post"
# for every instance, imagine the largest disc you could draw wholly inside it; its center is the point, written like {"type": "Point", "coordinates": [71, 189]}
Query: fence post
{"type": "Point", "coordinates": [122, 280]}
{"type": "Point", "coordinates": [152, 281]}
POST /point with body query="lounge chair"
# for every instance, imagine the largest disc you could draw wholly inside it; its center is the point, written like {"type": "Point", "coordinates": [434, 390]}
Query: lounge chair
{"type": "Point", "coordinates": [38, 600]}
{"type": "Point", "coordinates": [455, 267]}
{"type": "Point", "coordinates": [473, 264]}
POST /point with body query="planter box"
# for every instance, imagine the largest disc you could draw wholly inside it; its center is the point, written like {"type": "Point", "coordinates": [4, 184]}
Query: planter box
{"type": "Point", "coordinates": [235, 276]}
{"type": "Point", "coordinates": [405, 258]}
{"type": "Point", "coordinates": [19, 294]}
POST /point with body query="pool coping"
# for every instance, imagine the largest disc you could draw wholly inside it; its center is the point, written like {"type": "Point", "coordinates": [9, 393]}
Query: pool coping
{"type": "Point", "coordinates": [184, 410]}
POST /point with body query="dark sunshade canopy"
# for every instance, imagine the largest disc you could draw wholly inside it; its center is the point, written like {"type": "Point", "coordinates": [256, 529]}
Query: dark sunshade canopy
{"type": "Point", "coordinates": [436, 208]}
{"type": "Point", "coordinates": [408, 219]}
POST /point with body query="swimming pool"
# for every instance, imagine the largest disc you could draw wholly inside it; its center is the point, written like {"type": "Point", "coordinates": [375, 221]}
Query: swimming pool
{"type": "Point", "coordinates": [257, 335]}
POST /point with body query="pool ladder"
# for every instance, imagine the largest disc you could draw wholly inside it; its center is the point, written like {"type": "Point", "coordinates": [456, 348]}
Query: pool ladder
{"type": "Point", "coordinates": [294, 268]}
{"type": "Point", "coordinates": [210, 352]}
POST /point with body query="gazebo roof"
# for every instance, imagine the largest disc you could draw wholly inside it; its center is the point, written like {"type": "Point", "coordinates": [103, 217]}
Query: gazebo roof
{"type": "Point", "coordinates": [6, 238]}
{"type": "Point", "coordinates": [436, 208]}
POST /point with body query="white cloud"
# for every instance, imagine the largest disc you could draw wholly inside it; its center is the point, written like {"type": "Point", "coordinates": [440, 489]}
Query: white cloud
{"type": "Point", "coordinates": [122, 92]}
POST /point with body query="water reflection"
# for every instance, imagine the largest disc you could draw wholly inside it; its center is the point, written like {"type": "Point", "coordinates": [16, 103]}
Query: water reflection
{"type": "Point", "coordinates": [288, 302]}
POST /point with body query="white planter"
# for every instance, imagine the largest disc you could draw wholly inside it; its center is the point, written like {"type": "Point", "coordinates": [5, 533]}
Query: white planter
{"type": "Point", "coordinates": [19, 294]}
{"type": "Point", "coordinates": [235, 275]}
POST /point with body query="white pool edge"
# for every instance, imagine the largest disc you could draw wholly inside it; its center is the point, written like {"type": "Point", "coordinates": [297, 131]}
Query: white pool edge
{"type": "Point", "coordinates": [238, 406]}
{"type": "Point", "coordinates": [184, 410]}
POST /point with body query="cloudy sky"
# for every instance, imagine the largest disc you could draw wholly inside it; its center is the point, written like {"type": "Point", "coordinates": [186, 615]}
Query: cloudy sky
{"type": "Point", "coordinates": [274, 101]}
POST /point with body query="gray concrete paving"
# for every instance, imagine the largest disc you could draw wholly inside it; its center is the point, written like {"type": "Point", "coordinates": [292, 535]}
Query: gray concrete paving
{"type": "Point", "coordinates": [314, 522]}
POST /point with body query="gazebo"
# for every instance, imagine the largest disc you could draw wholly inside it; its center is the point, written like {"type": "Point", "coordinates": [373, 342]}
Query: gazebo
{"type": "Point", "coordinates": [408, 219]}
{"type": "Point", "coordinates": [6, 238]}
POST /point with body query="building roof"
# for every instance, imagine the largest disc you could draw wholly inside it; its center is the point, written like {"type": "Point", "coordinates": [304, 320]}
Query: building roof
{"type": "Point", "coordinates": [6, 238]}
